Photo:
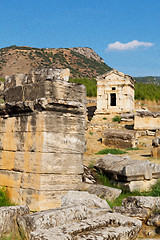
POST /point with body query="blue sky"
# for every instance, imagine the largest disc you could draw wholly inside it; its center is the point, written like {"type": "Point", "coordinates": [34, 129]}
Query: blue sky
{"type": "Point", "coordinates": [125, 33]}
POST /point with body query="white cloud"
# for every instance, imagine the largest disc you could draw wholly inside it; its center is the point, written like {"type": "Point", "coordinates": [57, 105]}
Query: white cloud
{"type": "Point", "coordinates": [128, 46]}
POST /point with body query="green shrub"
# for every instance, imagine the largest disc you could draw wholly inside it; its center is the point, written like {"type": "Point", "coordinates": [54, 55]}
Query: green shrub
{"type": "Point", "coordinates": [155, 190]}
{"type": "Point", "coordinates": [116, 119]}
{"type": "Point", "coordinates": [4, 201]}
{"type": "Point", "coordinates": [90, 84]}
{"type": "Point", "coordinates": [111, 151]}
{"type": "Point", "coordinates": [91, 133]}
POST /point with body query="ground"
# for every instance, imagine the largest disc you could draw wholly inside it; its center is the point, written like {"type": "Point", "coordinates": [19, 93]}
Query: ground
{"type": "Point", "coordinates": [94, 144]}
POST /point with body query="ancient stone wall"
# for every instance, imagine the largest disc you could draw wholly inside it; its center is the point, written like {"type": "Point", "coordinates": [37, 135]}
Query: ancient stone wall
{"type": "Point", "coordinates": [42, 137]}
{"type": "Point", "coordinates": [147, 121]}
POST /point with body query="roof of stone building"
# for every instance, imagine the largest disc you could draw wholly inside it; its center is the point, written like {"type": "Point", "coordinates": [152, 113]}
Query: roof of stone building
{"type": "Point", "coordinates": [103, 76]}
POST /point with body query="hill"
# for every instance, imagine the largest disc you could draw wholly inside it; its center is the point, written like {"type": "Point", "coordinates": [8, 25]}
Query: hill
{"type": "Point", "coordinates": [83, 62]}
{"type": "Point", "coordinates": [148, 80]}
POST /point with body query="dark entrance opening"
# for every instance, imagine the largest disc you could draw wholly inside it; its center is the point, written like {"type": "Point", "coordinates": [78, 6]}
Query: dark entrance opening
{"type": "Point", "coordinates": [113, 99]}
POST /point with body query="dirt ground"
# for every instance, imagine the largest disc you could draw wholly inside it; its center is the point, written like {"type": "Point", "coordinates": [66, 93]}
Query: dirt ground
{"type": "Point", "coordinates": [94, 145]}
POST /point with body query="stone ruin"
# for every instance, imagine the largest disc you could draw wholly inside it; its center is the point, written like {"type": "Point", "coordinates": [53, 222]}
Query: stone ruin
{"type": "Point", "coordinates": [42, 124]}
{"type": "Point", "coordinates": [147, 120]}
{"type": "Point", "coordinates": [130, 174]}
{"type": "Point", "coordinates": [120, 138]}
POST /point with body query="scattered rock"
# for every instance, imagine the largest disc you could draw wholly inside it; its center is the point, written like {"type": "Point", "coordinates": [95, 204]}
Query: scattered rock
{"type": "Point", "coordinates": [150, 203]}
{"type": "Point", "coordinates": [82, 197]}
{"type": "Point", "coordinates": [128, 172]}
{"type": "Point", "coordinates": [8, 217]}
{"type": "Point", "coordinates": [154, 219]}
{"type": "Point", "coordinates": [139, 213]}
{"type": "Point", "coordinates": [87, 176]}
{"type": "Point", "coordinates": [101, 191]}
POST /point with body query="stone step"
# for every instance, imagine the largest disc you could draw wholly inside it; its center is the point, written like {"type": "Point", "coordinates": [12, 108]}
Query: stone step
{"type": "Point", "coordinates": [56, 217]}
{"type": "Point", "coordinates": [106, 226]}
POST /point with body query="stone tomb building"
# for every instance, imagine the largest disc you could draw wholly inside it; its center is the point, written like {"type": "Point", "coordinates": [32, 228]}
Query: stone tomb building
{"type": "Point", "coordinates": [115, 93]}
{"type": "Point", "coordinates": [42, 124]}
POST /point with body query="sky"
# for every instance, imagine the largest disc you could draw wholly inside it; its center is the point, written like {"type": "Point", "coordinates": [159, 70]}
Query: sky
{"type": "Point", "coordinates": [125, 33]}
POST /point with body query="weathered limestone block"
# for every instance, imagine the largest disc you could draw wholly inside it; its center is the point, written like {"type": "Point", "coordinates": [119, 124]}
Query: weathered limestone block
{"type": "Point", "coordinates": [36, 199]}
{"type": "Point", "coordinates": [150, 203]}
{"type": "Point", "coordinates": [54, 88]}
{"type": "Point", "coordinates": [127, 169]}
{"type": "Point", "coordinates": [36, 75]}
{"type": "Point", "coordinates": [8, 217]}
{"type": "Point", "coordinates": [120, 138]}
{"type": "Point", "coordinates": [15, 80]}
{"type": "Point", "coordinates": [147, 120]}
{"type": "Point", "coordinates": [155, 152]}
{"type": "Point", "coordinates": [141, 186]}
{"type": "Point", "coordinates": [78, 222]}
{"type": "Point", "coordinates": [139, 213]}
{"type": "Point", "coordinates": [102, 191]}
{"type": "Point", "coordinates": [81, 197]}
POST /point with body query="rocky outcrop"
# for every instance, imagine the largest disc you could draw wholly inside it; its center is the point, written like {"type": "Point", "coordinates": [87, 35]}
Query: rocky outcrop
{"type": "Point", "coordinates": [129, 173]}
{"type": "Point", "coordinates": [42, 142]}
{"type": "Point", "coordinates": [147, 209]}
{"type": "Point", "coordinates": [88, 53]}
{"type": "Point", "coordinates": [8, 217]}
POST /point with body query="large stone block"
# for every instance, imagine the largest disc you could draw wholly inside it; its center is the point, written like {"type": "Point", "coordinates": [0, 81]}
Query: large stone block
{"type": "Point", "coordinates": [35, 199]}
{"type": "Point", "coordinates": [151, 203]}
{"type": "Point", "coordinates": [51, 182]}
{"type": "Point", "coordinates": [81, 197]}
{"type": "Point", "coordinates": [101, 191]}
{"type": "Point", "coordinates": [10, 178]}
{"type": "Point", "coordinates": [42, 127]}
{"type": "Point", "coordinates": [120, 138]}
{"type": "Point", "coordinates": [38, 162]}
{"type": "Point", "coordinates": [56, 90]}
{"type": "Point", "coordinates": [79, 222]}
{"type": "Point", "coordinates": [126, 169]}
{"type": "Point", "coordinates": [15, 80]}
{"type": "Point", "coordinates": [147, 120]}
{"type": "Point", "coordinates": [36, 75]}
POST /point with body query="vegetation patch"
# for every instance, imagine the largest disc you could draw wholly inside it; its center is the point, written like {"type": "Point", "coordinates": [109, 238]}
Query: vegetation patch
{"type": "Point", "coordinates": [4, 200]}
{"type": "Point", "coordinates": [91, 133]}
{"type": "Point", "coordinates": [111, 151]}
{"type": "Point", "coordinates": [90, 84]}
{"type": "Point", "coordinates": [102, 179]}
{"type": "Point", "coordinates": [116, 119]}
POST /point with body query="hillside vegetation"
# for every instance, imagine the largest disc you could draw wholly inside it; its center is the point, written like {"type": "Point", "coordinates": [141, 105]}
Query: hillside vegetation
{"type": "Point", "coordinates": [82, 62]}
{"type": "Point", "coordinates": [142, 91]}
{"type": "Point", "coordinates": [148, 80]}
